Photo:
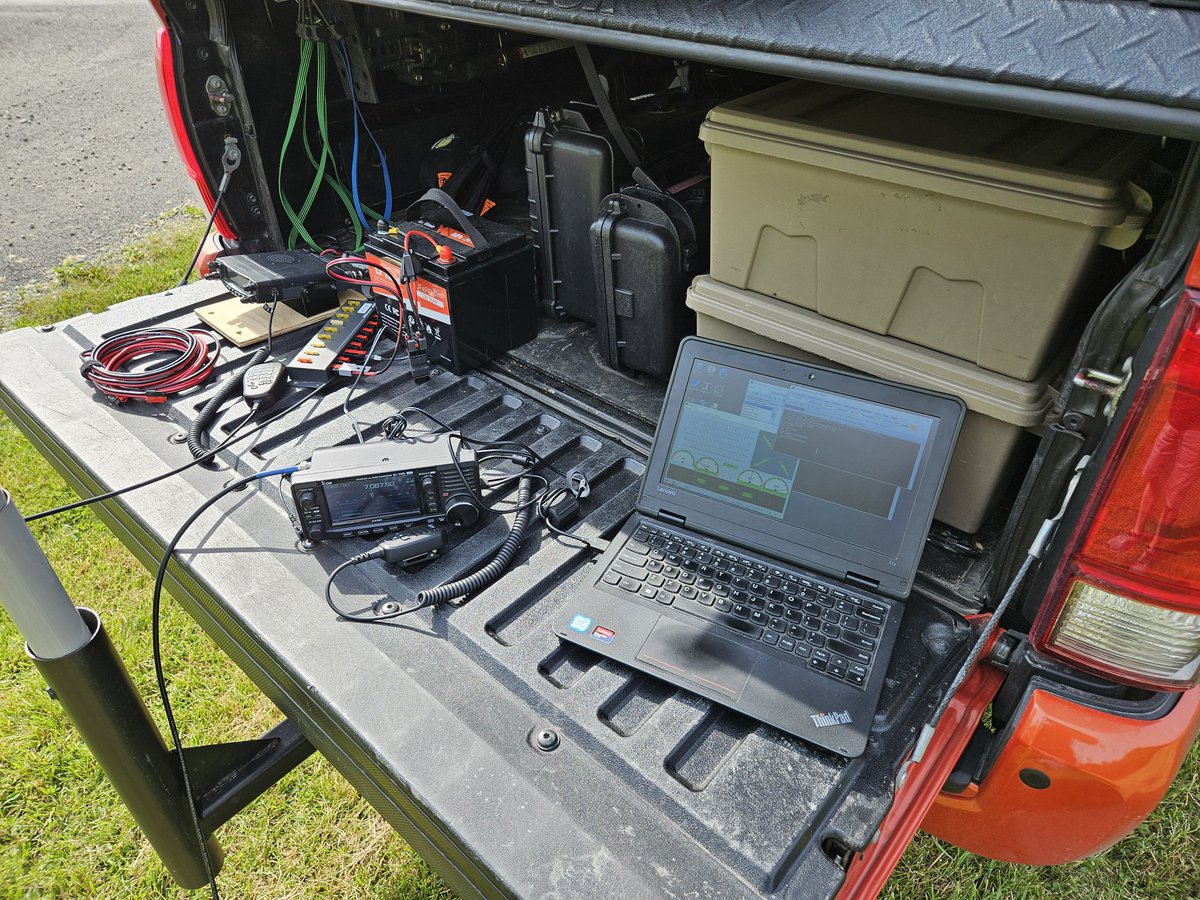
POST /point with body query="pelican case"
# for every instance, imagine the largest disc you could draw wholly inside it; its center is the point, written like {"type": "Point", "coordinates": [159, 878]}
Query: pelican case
{"type": "Point", "coordinates": [646, 246]}
{"type": "Point", "coordinates": [571, 166]}
{"type": "Point", "coordinates": [570, 170]}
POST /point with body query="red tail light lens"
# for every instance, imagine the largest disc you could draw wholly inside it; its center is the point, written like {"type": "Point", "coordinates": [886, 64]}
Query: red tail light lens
{"type": "Point", "coordinates": [164, 58]}
{"type": "Point", "coordinates": [1128, 597]}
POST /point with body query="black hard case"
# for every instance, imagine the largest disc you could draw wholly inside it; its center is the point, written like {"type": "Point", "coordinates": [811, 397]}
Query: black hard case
{"type": "Point", "coordinates": [570, 169]}
{"type": "Point", "coordinates": [646, 246]}
{"type": "Point", "coordinates": [571, 165]}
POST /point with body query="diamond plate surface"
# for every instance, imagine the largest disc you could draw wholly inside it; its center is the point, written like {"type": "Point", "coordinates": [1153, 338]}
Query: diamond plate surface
{"type": "Point", "coordinates": [1123, 49]}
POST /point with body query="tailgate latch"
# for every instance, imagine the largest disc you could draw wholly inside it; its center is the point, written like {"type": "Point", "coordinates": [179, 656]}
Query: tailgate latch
{"type": "Point", "coordinates": [219, 96]}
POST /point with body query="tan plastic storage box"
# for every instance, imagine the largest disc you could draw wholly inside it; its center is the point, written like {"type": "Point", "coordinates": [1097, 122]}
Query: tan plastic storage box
{"type": "Point", "coordinates": [999, 408]}
{"type": "Point", "coordinates": [963, 230]}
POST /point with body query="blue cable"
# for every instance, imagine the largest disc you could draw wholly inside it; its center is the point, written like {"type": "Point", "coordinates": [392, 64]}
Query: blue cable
{"type": "Point", "coordinates": [286, 470]}
{"type": "Point", "coordinates": [341, 48]}
{"type": "Point", "coordinates": [359, 117]}
{"type": "Point", "coordinates": [387, 178]}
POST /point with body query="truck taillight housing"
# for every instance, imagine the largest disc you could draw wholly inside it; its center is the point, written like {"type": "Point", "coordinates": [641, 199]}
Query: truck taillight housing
{"type": "Point", "coordinates": [1126, 602]}
{"type": "Point", "coordinates": [164, 62]}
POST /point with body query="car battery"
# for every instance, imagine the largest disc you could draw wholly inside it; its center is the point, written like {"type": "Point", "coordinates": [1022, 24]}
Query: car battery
{"type": "Point", "coordinates": [476, 302]}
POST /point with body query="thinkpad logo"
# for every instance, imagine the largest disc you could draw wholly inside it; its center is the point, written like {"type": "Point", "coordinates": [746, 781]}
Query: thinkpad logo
{"type": "Point", "coordinates": [831, 718]}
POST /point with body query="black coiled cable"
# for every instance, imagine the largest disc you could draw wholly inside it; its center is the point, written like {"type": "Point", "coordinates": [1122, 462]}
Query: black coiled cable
{"type": "Point", "coordinates": [461, 587]}
{"type": "Point", "coordinates": [228, 387]}
{"type": "Point", "coordinates": [476, 582]}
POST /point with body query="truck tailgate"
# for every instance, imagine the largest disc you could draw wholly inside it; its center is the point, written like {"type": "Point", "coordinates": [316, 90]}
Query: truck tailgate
{"type": "Point", "coordinates": [651, 791]}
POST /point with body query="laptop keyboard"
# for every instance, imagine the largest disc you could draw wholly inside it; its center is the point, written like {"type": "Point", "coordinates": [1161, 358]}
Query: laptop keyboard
{"type": "Point", "coordinates": [827, 628]}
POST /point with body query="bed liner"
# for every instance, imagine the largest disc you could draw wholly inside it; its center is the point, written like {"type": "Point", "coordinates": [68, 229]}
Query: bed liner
{"type": "Point", "coordinates": [651, 792]}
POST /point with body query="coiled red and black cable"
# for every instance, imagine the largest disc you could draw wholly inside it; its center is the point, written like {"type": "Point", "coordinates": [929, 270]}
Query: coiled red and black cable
{"type": "Point", "coordinates": [186, 358]}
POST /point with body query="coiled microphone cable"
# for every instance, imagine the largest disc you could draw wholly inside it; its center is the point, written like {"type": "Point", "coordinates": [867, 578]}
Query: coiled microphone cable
{"type": "Point", "coordinates": [230, 386]}
{"type": "Point", "coordinates": [473, 584]}
{"type": "Point", "coordinates": [462, 587]}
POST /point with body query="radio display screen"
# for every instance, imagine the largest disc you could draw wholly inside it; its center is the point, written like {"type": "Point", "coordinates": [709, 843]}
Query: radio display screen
{"type": "Point", "coordinates": [371, 497]}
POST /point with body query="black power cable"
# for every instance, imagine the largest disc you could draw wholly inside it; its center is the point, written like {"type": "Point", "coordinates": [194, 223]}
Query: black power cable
{"type": "Point", "coordinates": [234, 438]}
{"type": "Point", "coordinates": [558, 509]}
{"type": "Point", "coordinates": [230, 160]}
{"type": "Point", "coordinates": [514, 451]}
{"type": "Point", "coordinates": [155, 620]}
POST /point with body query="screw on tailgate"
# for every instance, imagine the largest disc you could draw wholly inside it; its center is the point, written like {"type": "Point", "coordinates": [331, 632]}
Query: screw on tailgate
{"type": "Point", "coordinates": [545, 739]}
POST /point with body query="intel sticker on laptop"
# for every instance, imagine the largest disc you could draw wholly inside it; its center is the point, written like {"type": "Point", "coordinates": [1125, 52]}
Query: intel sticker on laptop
{"type": "Point", "coordinates": [581, 624]}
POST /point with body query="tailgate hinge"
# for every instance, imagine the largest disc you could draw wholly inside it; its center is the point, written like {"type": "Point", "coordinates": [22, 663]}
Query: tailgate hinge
{"type": "Point", "coordinates": [1110, 385]}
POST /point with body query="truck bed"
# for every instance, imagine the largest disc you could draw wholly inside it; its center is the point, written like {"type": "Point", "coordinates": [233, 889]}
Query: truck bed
{"type": "Point", "coordinates": [651, 792]}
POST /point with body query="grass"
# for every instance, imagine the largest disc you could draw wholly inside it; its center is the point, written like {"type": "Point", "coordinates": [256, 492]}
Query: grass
{"type": "Point", "coordinates": [146, 266]}
{"type": "Point", "coordinates": [1159, 860]}
{"type": "Point", "coordinates": [64, 833]}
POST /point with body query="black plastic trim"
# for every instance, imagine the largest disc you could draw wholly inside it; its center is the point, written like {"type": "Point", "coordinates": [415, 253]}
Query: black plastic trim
{"type": "Point", "coordinates": [1025, 664]}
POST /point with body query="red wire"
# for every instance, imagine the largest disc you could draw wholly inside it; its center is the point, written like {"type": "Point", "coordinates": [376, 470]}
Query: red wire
{"type": "Point", "coordinates": [437, 248]}
{"type": "Point", "coordinates": [404, 291]}
{"type": "Point", "coordinates": [194, 361]}
{"type": "Point", "coordinates": [374, 285]}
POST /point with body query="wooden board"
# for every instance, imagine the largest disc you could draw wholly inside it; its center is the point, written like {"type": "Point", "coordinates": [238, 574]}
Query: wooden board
{"type": "Point", "coordinates": [244, 324]}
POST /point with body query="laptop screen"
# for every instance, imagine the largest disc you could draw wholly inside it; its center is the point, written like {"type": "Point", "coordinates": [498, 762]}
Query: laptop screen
{"type": "Point", "coordinates": [799, 454]}
{"type": "Point", "coordinates": [844, 465]}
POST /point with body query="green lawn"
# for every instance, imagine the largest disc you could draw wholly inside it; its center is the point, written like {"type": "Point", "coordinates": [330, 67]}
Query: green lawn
{"type": "Point", "coordinates": [63, 833]}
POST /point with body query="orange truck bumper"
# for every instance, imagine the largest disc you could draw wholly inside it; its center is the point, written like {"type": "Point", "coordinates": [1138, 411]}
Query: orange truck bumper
{"type": "Point", "coordinates": [1095, 776]}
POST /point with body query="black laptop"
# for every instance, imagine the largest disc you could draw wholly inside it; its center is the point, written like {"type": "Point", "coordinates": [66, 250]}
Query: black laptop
{"type": "Point", "coordinates": [778, 530]}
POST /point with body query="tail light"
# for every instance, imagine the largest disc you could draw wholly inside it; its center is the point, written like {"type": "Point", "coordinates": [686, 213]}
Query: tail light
{"type": "Point", "coordinates": [164, 58]}
{"type": "Point", "coordinates": [1126, 603]}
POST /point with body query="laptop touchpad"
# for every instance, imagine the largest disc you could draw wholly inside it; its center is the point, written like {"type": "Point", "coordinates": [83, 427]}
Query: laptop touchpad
{"type": "Point", "coordinates": [700, 656]}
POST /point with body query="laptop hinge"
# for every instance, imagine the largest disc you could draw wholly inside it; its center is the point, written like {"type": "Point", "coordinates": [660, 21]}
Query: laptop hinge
{"type": "Point", "coordinates": [672, 519]}
{"type": "Point", "coordinates": [860, 581]}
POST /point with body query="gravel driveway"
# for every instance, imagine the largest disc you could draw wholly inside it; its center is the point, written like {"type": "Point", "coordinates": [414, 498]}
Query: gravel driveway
{"type": "Point", "coordinates": [86, 159]}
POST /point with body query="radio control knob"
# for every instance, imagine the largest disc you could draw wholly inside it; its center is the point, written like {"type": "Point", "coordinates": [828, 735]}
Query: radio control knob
{"type": "Point", "coordinates": [308, 498]}
{"type": "Point", "coordinates": [428, 483]}
{"type": "Point", "coordinates": [461, 511]}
